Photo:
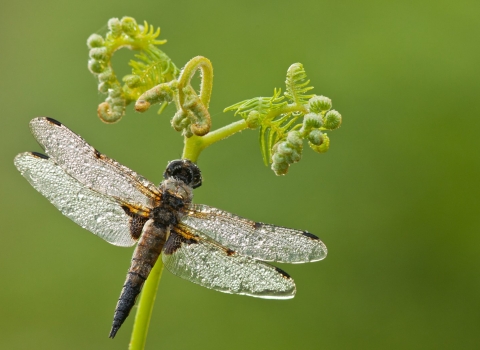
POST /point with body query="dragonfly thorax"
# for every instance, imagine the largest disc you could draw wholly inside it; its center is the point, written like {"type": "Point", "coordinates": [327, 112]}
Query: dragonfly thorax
{"type": "Point", "coordinates": [164, 216]}
{"type": "Point", "coordinates": [176, 197]}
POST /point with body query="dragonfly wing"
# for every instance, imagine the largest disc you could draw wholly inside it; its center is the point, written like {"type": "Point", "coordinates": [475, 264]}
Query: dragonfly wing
{"type": "Point", "coordinates": [93, 211]}
{"type": "Point", "coordinates": [210, 265]}
{"type": "Point", "coordinates": [91, 168]}
{"type": "Point", "coordinates": [255, 239]}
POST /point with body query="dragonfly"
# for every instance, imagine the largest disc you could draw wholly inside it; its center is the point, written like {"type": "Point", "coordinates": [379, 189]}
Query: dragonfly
{"type": "Point", "coordinates": [199, 243]}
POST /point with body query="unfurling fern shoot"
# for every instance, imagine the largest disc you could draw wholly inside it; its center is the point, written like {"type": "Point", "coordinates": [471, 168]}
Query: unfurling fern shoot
{"type": "Point", "coordinates": [285, 121]}
{"type": "Point", "coordinates": [153, 67]}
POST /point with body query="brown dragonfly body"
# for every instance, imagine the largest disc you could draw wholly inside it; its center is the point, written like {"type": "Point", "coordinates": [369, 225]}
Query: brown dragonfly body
{"type": "Point", "coordinates": [176, 197]}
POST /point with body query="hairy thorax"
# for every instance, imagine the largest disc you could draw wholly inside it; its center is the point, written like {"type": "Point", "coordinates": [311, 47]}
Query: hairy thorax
{"type": "Point", "coordinates": [176, 198]}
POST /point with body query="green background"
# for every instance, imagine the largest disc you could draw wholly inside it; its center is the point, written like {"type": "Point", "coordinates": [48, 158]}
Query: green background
{"type": "Point", "coordinates": [396, 199]}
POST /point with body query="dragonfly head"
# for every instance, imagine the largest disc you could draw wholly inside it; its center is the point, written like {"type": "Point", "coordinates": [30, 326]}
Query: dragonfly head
{"type": "Point", "coordinates": [184, 170]}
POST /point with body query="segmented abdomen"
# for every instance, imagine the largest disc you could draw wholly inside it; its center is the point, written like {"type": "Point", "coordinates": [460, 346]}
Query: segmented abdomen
{"type": "Point", "coordinates": [144, 258]}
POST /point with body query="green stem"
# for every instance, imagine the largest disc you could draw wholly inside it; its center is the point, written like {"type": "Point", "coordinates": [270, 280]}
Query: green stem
{"type": "Point", "coordinates": [145, 307]}
{"type": "Point", "coordinates": [196, 144]}
{"type": "Point", "coordinates": [187, 74]}
{"type": "Point", "coordinates": [286, 109]}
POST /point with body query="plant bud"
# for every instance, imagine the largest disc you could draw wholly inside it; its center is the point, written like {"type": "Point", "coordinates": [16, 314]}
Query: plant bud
{"type": "Point", "coordinates": [316, 137]}
{"type": "Point", "coordinates": [95, 67]}
{"type": "Point", "coordinates": [333, 120]}
{"type": "Point", "coordinates": [283, 148]}
{"type": "Point", "coordinates": [278, 158]}
{"type": "Point", "coordinates": [293, 157]}
{"type": "Point", "coordinates": [115, 27]}
{"type": "Point", "coordinates": [107, 75]}
{"type": "Point", "coordinates": [95, 40]}
{"type": "Point", "coordinates": [98, 53]}
{"type": "Point", "coordinates": [253, 120]}
{"type": "Point", "coordinates": [129, 26]}
{"type": "Point", "coordinates": [318, 104]}
{"type": "Point", "coordinates": [294, 139]}
{"type": "Point", "coordinates": [280, 168]}
{"type": "Point", "coordinates": [312, 121]}
{"type": "Point", "coordinates": [323, 147]}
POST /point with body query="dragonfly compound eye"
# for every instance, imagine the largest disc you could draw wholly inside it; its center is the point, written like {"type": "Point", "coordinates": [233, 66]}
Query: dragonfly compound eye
{"type": "Point", "coordinates": [185, 170]}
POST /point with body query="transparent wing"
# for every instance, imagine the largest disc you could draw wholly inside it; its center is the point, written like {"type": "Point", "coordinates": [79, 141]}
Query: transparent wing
{"type": "Point", "coordinates": [210, 265]}
{"type": "Point", "coordinates": [93, 169]}
{"type": "Point", "coordinates": [93, 211]}
{"type": "Point", "coordinates": [255, 239]}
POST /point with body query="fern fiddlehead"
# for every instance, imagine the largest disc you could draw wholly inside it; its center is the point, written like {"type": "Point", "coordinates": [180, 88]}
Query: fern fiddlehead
{"type": "Point", "coordinates": [279, 118]}
{"type": "Point", "coordinates": [151, 68]}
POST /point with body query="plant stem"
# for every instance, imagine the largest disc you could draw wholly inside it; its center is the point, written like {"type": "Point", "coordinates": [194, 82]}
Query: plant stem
{"type": "Point", "coordinates": [194, 145]}
{"type": "Point", "coordinates": [145, 307]}
{"type": "Point", "coordinates": [187, 74]}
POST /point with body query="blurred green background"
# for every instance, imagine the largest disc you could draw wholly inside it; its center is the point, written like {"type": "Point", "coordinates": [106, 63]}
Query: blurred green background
{"type": "Point", "coordinates": [396, 199]}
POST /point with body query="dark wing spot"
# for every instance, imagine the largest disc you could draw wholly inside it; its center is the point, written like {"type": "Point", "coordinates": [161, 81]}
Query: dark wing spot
{"type": "Point", "coordinates": [174, 242]}
{"type": "Point", "coordinates": [309, 235]}
{"type": "Point", "coordinates": [39, 155]}
{"type": "Point", "coordinates": [136, 223]}
{"type": "Point", "coordinates": [257, 225]}
{"type": "Point", "coordinates": [97, 154]}
{"type": "Point", "coordinates": [136, 226]}
{"type": "Point", "coordinates": [53, 121]}
{"type": "Point", "coordinates": [283, 273]}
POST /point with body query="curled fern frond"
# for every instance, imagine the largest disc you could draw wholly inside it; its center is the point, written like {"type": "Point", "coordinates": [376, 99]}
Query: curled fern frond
{"type": "Point", "coordinates": [275, 131]}
{"type": "Point", "coordinates": [151, 68]}
{"type": "Point", "coordinates": [297, 84]}
{"type": "Point", "coordinates": [286, 121]}
{"type": "Point", "coordinates": [192, 116]}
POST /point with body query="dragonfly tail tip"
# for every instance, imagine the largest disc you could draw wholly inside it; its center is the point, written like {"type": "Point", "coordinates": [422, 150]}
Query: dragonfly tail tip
{"type": "Point", "coordinates": [113, 332]}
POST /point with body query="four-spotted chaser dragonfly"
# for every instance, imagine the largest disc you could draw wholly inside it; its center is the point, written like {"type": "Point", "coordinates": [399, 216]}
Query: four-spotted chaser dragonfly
{"type": "Point", "coordinates": [204, 245]}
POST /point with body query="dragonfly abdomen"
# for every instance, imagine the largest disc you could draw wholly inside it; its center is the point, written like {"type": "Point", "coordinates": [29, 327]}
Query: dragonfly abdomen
{"type": "Point", "coordinates": [144, 258]}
